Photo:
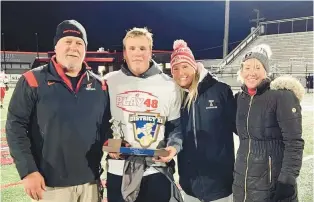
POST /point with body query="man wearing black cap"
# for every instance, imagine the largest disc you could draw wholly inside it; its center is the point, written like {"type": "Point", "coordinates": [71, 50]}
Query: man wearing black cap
{"type": "Point", "coordinates": [57, 120]}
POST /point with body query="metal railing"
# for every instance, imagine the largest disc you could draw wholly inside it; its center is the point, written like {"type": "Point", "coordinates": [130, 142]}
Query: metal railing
{"type": "Point", "coordinates": [235, 52]}
{"type": "Point", "coordinates": [292, 69]}
{"type": "Point", "coordinates": [297, 25]}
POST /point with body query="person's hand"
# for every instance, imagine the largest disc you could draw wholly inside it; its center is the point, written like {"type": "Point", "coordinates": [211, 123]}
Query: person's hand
{"type": "Point", "coordinates": [165, 159]}
{"type": "Point", "coordinates": [34, 185]}
{"type": "Point", "coordinates": [284, 191]}
{"type": "Point", "coordinates": [114, 155]}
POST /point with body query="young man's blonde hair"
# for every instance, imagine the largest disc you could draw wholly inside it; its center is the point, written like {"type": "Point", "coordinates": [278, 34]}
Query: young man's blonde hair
{"type": "Point", "coordinates": [136, 32]}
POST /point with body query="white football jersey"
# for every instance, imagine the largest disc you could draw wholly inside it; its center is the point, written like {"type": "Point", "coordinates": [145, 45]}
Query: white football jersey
{"type": "Point", "coordinates": [142, 105]}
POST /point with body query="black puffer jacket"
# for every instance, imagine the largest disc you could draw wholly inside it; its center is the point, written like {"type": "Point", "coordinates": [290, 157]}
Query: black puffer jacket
{"type": "Point", "coordinates": [269, 127]}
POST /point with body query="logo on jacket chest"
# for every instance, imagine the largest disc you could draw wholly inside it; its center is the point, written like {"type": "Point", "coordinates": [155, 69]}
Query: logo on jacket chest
{"type": "Point", "coordinates": [137, 101]}
{"type": "Point", "coordinates": [90, 87]}
{"type": "Point", "coordinates": [212, 104]}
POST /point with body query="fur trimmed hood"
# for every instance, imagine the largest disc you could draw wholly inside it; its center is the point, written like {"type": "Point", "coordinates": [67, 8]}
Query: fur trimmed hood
{"type": "Point", "coordinates": [288, 82]}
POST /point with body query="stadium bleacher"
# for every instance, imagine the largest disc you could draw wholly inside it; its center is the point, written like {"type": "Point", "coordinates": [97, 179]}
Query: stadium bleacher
{"type": "Point", "coordinates": [292, 54]}
{"type": "Point", "coordinates": [289, 49]}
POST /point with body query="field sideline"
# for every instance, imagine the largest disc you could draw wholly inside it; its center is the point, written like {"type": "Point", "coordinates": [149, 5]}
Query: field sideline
{"type": "Point", "coordinates": [11, 189]}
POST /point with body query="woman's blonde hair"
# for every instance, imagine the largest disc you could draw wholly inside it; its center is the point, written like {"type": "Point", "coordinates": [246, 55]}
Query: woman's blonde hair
{"type": "Point", "coordinates": [193, 91]}
{"type": "Point", "coordinates": [239, 76]}
{"type": "Point", "coordinates": [136, 32]}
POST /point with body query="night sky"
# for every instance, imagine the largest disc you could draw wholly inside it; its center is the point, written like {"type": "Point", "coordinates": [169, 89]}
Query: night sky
{"type": "Point", "coordinates": [201, 24]}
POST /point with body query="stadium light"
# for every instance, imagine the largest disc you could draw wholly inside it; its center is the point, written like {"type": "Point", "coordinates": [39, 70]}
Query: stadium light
{"type": "Point", "coordinates": [258, 19]}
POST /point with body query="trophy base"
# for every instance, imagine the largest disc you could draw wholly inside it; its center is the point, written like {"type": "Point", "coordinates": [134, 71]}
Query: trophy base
{"type": "Point", "coordinates": [114, 145]}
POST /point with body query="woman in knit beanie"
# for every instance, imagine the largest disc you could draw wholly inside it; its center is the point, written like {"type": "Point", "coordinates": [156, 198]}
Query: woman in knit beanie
{"type": "Point", "coordinates": [208, 120]}
{"type": "Point", "coordinates": [269, 126]}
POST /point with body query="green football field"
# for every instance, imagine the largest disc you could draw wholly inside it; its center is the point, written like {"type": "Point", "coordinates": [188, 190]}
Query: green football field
{"type": "Point", "coordinates": [11, 190]}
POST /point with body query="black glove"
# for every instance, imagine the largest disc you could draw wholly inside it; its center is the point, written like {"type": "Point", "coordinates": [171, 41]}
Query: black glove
{"type": "Point", "coordinates": [283, 191]}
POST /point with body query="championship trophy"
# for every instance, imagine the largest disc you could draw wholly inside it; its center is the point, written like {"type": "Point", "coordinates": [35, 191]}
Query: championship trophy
{"type": "Point", "coordinates": [119, 145]}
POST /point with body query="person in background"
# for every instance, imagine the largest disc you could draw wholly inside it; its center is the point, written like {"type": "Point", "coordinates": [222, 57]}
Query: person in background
{"type": "Point", "coordinates": [3, 86]}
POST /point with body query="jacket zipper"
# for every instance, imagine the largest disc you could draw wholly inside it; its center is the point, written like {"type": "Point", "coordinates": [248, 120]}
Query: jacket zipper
{"type": "Point", "coordinates": [194, 129]}
{"type": "Point", "coordinates": [195, 141]}
{"type": "Point", "coordinates": [78, 85]}
{"type": "Point", "coordinates": [248, 154]}
{"type": "Point", "coordinates": [269, 167]}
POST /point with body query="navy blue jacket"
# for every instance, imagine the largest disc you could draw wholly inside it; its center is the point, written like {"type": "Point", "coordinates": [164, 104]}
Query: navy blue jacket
{"type": "Point", "coordinates": [55, 129]}
{"type": "Point", "coordinates": [206, 162]}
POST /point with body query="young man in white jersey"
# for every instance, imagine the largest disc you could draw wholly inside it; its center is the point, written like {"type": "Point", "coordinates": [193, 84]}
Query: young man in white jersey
{"type": "Point", "coordinates": [147, 102]}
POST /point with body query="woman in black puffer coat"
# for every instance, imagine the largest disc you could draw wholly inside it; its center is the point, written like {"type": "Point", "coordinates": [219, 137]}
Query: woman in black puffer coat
{"type": "Point", "coordinates": [269, 126]}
